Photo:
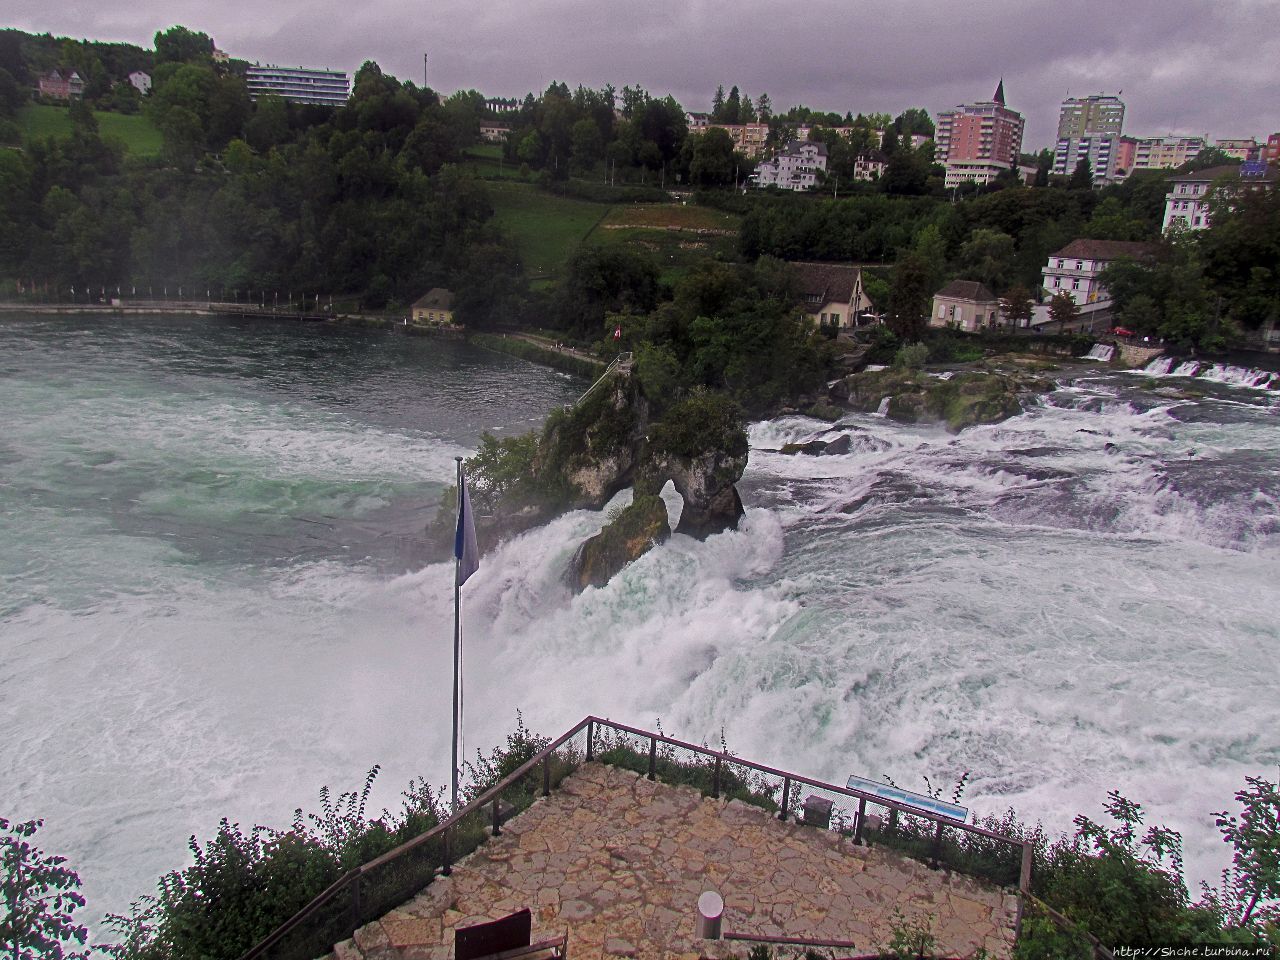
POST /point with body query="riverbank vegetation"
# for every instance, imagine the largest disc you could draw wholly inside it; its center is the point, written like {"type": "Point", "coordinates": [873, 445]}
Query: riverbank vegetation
{"type": "Point", "coordinates": [1114, 881]}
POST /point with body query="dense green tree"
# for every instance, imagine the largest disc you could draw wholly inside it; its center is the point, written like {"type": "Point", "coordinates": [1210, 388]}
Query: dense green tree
{"type": "Point", "coordinates": [710, 158]}
{"type": "Point", "coordinates": [180, 45]}
{"type": "Point", "coordinates": [1082, 176]}
{"type": "Point", "coordinates": [1016, 306]}
{"type": "Point", "coordinates": [1063, 309]}
{"type": "Point", "coordinates": [988, 257]}
{"type": "Point", "coordinates": [603, 280]}
{"type": "Point", "coordinates": [910, 294]}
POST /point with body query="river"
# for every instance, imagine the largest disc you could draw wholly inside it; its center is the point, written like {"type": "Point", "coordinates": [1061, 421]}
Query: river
{"type": "Point", "coordinates": [214, 598]}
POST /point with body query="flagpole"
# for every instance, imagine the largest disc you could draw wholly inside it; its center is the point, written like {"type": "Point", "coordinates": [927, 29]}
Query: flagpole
{"type": "Point", "coordinates": [457, 645]}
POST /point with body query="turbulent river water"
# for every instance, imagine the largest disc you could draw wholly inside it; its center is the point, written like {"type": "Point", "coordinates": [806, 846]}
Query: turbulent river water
{"type": "Point", "coordinates": [213, 597]}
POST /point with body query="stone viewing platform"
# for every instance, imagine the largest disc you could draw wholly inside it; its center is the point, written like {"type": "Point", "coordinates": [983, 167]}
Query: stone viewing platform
{"type": "Point", "coordinates": [619, 861]}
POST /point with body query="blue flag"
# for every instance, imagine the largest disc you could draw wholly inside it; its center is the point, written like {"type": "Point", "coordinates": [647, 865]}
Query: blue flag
{"type": "Point", "coordinates": [464, 542]}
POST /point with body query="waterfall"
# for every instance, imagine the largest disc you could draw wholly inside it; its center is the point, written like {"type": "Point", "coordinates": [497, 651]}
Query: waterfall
{"type": "Point", "coordinates": [883, 409]}
{"type": "Point", "coordinates": [1100, 351]}
{"type": "Point", "coordinates": [1225, 374]}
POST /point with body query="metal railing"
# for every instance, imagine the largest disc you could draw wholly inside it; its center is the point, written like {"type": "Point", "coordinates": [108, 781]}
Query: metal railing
{"type": "Point", "coordinates": [618, 363]}
{"type": "Point", "coordinates": [367, 892]}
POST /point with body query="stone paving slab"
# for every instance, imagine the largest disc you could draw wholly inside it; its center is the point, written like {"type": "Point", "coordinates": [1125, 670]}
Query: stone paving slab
{"type": "Point", "coordinates": [620, 861]}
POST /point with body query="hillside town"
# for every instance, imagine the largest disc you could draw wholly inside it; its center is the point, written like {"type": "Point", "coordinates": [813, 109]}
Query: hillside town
{"type": "Point", "coordinates": [743, 145]}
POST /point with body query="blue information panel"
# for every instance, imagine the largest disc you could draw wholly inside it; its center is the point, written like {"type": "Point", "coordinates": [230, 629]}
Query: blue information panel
{"type": "Point", "coordinates": [908, 799]}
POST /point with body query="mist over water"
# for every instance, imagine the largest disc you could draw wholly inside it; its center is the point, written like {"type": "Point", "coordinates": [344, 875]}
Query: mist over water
{"type": "Point", "coordinates": [213, 598]}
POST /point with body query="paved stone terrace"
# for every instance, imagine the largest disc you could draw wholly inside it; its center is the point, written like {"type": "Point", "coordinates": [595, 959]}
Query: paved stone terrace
{"type": "Point", "coordinates": [620, 861]}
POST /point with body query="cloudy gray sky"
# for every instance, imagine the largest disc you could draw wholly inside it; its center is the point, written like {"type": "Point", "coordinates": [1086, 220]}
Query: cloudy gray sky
{"type": "Point", "coordinates": [1185, 66]}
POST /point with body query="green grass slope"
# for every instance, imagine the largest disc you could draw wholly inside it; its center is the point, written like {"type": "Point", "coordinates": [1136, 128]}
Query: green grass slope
{"type": "Point", "coordinates": [138, 134]}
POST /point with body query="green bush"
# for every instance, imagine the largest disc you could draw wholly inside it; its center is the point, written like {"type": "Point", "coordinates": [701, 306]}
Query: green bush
{"type": "Point", "coordinates": [911, 357]}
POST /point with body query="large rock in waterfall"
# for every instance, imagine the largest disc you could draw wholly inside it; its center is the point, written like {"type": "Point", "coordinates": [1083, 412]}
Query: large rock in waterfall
{"type": "Point", "coordinates": [629, 535]}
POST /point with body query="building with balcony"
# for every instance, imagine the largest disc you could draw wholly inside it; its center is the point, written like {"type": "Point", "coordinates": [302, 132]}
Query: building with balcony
{"type": "Point", "coordinates": [1191, 195]}
{"type": "Point", "coordinates": [1089, 129]}
{"type": "Point", "coordinates": [298, 84]}
{"type": "Point", "coordinates": [986, 134]}
{"type": "Point", "coordinates": [1165, 153]}
{"type": "Point", "coordinates": [1097, 115]}
{"type": "Point", "coordinates": [61, 85]}
{"type": "Point", "coordinates": [870, 166]}
{"type": "Point", "coordinates": [796, 168]}
{"type": "Point", "coordinates": [1077, 267]}
{"type": "Point", "coordinates": [1242, 149]}
{"type": "Point", "coordinates": [748, 138]}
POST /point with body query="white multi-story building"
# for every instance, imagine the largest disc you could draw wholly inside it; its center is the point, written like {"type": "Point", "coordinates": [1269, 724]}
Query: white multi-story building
{"type": "Point", "coordinates": [1187, 204]}
{"type": "Point", "coordinates": [1101, 151]}
{"type": "Point", "coordinates": [796, 168]}
{"type": "Point", "coordinates": [870, 166]}
{"type": "Point", "coordinates": [1077, 267]}
{"type": "Point", "coordinates": [141, 81]}
{"type": "Point", "coordinates": [298, 84]}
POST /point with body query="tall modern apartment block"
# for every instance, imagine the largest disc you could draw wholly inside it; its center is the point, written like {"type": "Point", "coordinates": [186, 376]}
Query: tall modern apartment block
{"type": "Point", "coordinates": [988, 131]}
{"type": "Point", "coordinates": [298, 84]}
{"type": "Point", "coordinates": [1089, 129]}
{"type": "Point", "coordinates": [1091, 116]}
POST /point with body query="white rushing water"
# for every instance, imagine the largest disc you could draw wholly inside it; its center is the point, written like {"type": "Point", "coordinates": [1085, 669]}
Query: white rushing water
{"type": "Point", "coordinates": [197, 622]}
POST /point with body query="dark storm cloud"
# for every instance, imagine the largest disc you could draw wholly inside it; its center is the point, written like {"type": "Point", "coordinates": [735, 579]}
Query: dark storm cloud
{"type": "Point", "coordinates": [1185, 66]}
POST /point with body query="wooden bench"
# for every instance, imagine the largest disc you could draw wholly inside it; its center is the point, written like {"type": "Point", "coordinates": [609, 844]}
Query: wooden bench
{"type": "Point", "coordinates": [507, 939]}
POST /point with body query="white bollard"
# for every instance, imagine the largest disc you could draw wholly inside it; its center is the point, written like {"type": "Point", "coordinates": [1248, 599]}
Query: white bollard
{"type": "Point", "coordinates": [710, 910]}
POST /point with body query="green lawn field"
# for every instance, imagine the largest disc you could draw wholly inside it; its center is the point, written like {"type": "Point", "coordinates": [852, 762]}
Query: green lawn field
{"type": "Point", "coordinates": [140, 137]}
{"type": "Point", "coordinates": [547, 228]}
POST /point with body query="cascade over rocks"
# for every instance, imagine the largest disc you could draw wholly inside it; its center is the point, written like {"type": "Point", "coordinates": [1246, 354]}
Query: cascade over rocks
{"type": "Point", "coordinates": [963, 400]}
{"type": "Point", "coordinates": [604, 444]}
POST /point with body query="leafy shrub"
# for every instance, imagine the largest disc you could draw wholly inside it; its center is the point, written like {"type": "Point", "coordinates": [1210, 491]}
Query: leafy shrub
{"type": "Point", "coordinates": [911, 357]}
{"type": "Point", "coordinates": [40, 895]}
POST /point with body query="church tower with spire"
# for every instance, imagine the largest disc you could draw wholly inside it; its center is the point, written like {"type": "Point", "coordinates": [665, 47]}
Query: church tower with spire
{"type": "Point", "coordinates": [978, 140]}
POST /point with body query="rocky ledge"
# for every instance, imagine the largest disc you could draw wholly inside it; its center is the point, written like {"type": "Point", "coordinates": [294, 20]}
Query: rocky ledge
{"type": "Point", "coordinates": [958, 401]}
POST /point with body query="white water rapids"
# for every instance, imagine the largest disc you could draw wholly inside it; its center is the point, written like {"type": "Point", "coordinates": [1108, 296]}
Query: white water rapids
{"type": "Point", "coordinates": [197, 620]}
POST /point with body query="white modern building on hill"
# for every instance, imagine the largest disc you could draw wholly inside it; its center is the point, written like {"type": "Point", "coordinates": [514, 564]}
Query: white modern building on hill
{"type": "Point", "coordinates": [1186, 205]}
{"type": "Point", "coordinates": [796, 168]}
{"type": "Point", "coordinates": [298, 84]}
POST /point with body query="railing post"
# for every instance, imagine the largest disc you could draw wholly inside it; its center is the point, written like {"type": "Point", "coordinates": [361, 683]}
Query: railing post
{"type": "Point", "coordinates": [786, 796]}
{"type": "Point", "coordinates": [355, 902]}
{"type": "Point", "coordinates": [590, 740]}
{"type": "Point", "coordinates": [447, 867]}
{"type": "Point", "coordinates": [859, 819]}
{"type": "Point", "coordinates": [937, 845]}
{"type": "Point", "coordinates": [653, 756]}
{"type": "Point", "coordinates": [1024, 886]}
{"type": "Point", "coordinates": [546, 775]}
{"type": "Point", "coordinates": [715, 780]}
{"type": "Point", "coordinates": [497, 826]}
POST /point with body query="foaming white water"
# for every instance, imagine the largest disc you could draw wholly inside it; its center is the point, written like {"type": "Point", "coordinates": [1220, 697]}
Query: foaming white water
{"type": "Point", "coordinates": [1226, 374]}
{"type": "Point", "coordinates": [1100, 351]}
{"type": "Point", "coordinates": [1078, 599]}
